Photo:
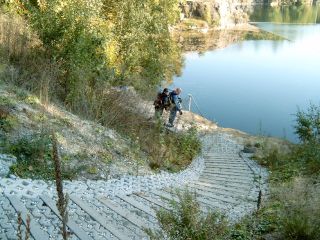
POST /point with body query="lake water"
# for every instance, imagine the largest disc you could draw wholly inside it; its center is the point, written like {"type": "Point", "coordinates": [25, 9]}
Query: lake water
{"type": "Point", "coordinates": [257, 86]}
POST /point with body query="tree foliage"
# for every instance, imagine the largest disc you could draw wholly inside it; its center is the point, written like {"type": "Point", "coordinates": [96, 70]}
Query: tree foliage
{"type": "Point", "coordinates": [102, 42]}
{"type": "Point", "coordinates": [140, 46]}
{"type": "Point", "coordinates": [308, 124]}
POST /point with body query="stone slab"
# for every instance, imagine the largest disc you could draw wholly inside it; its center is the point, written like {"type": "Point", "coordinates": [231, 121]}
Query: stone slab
{"type": "Point", "coordinates": [153, 200]}
{"type": "Point", "coordinates": [82, 235]}
{"type": "Point", "coordinates": [99, 218]}
{"type": "Point", "coordinates": [138, 205]}
{"type": "Point", "coordinates": [219, 191]}
{"type": "Point", "coordinates": [35, 228]}
{"type": "Point", "coordinates": [131, 217]}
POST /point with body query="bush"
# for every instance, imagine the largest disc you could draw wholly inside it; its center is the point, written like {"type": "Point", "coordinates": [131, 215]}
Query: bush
{"type": "Point", "coordinates": [301, 159]}
{"type": "Point", "coordinates": [308, 124]}
{"type": "Point", "coordinates": [8, 123]}
{"type": "Point", "coordinates": [308, 129]}
{"type": "Point", "coordinates": [188, 144]}
{"type": "Point", "coordinates": [31, 149]}
{"type": "Point", "coordinates": [34, 157]}
{"type": "Point", "coordinates": [300, 215]}
{"type": "Point", "coordinates": [186, 221]}
{"type": "Point", "coordinates": [292, 212]}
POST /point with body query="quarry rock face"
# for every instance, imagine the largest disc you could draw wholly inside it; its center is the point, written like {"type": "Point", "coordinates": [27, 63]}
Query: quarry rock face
{"type": "Point", "coordinates": [220, 13]}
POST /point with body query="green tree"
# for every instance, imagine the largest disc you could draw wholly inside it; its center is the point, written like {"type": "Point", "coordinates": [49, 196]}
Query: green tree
{"type": "Point", "coordinates": [100, 42]}
{"type": "Point", "coordinates": [308, 124]}
{"type": "Point", "coordinates": [141, 49]}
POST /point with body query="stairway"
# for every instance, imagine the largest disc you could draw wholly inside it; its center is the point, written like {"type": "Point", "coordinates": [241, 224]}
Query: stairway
{"type": "Point", "coordinates": [228, 182]}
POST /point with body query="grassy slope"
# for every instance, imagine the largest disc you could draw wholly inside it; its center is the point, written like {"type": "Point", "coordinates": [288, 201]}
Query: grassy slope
{"type": "Point", "coordinates": [87, 149]}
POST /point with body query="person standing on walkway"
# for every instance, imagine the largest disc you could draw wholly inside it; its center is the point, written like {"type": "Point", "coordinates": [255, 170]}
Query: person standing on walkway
{"type": "Point", "coordinates": [176, 105]}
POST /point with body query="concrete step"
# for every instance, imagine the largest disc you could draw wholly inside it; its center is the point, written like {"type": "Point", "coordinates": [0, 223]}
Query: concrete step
{"type": "Point", "coordinates": [35, 229]}
{"type": "Point", "coordinates": [102, 220]}
{"type": "Point", "coordinates": [145, 208]}
{"type": "Point", "coordinates": [226, 162]}
{"type": "Point", "coordinates": [82, 235]}
{"type": "Point", "coordinates": [155, 201]}
{"type": "Point", "coordinates": [227, 176]}
{"type": "Point", "coordinates": [129, 216]}
{"type": "Point", "coordinates": [224, 181]}
{"type": "Point", "coordinates": [211, 154]}
{"type": "Point", "coordinates": [215, 196]}
{"type": "Point", "coordinates": [209, 168]}
{"type": "Point", "coordinates": [211, 203]}
{"type": "Point", "coordinates": [222, 159]}
{"type": "Point", "coordinates": [219, 191]}
{"type": "Point", "coordinates": [233, 189]}
{"type": "Point", "coordinates": [226, 167]}
{"type": "Point", "coordinates": [228, 173]}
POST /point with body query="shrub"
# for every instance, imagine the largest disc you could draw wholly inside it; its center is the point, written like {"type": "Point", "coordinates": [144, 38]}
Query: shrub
{"type": "Point", "coordinates": [300, 216]}
{"type": "Point", "coordinates": [308, 124]}
{"type": "Point", "coordinates": [34, 157]}
{"type": "Point", "coordinates": [308, 129]}
{"type": "Point", "coordinates": [31, 149]}
{"type": "Point", "coordinates": [186, 221]}
{"type": "Point", "coordinates": [189, 144]}
{"type": "Point", "coordinates": [8, 123]}
{"type": "Point", "coordinates": [301, 159]}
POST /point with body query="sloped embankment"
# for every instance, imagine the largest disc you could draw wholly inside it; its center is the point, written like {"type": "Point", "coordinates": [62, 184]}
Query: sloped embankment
{"type": "Point", "coordinates": [88, 150]}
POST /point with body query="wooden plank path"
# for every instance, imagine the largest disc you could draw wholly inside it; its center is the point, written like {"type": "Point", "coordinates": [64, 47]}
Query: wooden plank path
{"type": "Point", "coordinates": [226, 183]}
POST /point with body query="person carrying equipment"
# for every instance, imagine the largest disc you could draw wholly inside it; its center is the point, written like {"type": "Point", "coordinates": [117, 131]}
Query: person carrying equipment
{"type": "Point", "coordinates": [161, 103]}
{"type": "Point", "coordinates": [175, 102]}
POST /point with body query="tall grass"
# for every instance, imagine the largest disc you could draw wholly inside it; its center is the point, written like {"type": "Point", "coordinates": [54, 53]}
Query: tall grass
{"type": "Point", "coordinates": [125, 112]}
{"type": "Point", "coordinates": [23, 61]}
{"type": "Point", "coordinates": [186, 221]}
{"type": "Point", "coordinates": [300, 215]}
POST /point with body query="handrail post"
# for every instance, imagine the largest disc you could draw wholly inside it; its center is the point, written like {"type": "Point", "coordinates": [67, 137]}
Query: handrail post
{"type": "Point", "coordinates": [190, 98]}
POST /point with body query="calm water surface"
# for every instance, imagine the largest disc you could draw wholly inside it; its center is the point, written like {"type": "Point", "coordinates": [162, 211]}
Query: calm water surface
{"type": "Point", "coordinates": [257, 86]}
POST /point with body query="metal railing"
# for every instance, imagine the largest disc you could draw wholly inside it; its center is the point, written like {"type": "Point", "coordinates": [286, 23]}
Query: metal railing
{"type": "Point", "coordinates": [191, 100]}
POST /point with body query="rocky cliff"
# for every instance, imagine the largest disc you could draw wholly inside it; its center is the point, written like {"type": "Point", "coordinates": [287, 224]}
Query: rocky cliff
{"type": "Point", "coordinates": [228, 13]}
{"type": "Point", "coordinates": [219, 13]}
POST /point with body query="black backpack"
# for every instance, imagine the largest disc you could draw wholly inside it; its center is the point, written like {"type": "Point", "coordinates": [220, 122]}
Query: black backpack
{"type": "Point", "coordinates": [163, 100]}
{"type": "Point", "coordinates": [158, 101]}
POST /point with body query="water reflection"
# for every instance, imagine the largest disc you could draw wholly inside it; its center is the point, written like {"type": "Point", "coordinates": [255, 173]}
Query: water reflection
{"type": "Point", "coordinates": [286, 14]}
{"type": "Point", "coordinates": [256, 86]}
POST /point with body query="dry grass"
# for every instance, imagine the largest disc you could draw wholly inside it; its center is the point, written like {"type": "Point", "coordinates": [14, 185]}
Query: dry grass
{"type": "Point", "coordinates": [300, 215]}
{"type": "Point", "coordinates": [125, 112]}
{"type": "Point", "coordinates": [16, 39]}
{"type": "Point", "coordinates": [23, 60]}
{"type": "Point", "coordinates": [187, 221]}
